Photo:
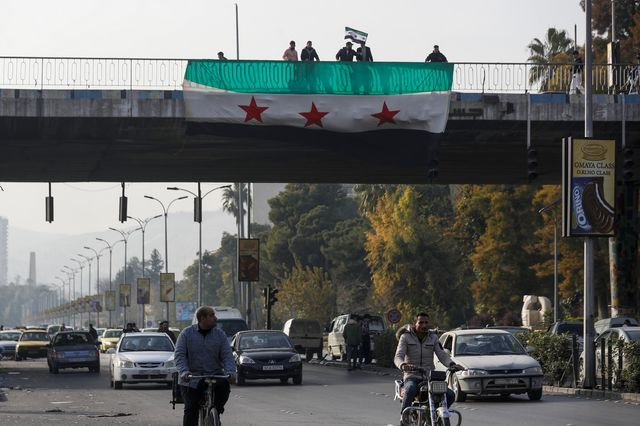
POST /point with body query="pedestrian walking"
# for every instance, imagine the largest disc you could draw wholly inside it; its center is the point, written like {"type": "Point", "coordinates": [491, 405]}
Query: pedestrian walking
{"type": "Point", "coordinates": [346, 54]}
{"type": "Point", "coordinates": [352, 339]}
{"type": "Point", "coordinates": [291, 54]}
{"type": "Point", "coordinates": [309, 53]}
{"type": "Point", "coordinates": [93, 332]}
{"type": "Point", "coordinates": [365, 346]}
{"type": "Point", "coordinates": [436, 55]}
{"type": "Point", "coordinates": [221, 56]}
{"type": "Point", "coordinates": [576, 74]}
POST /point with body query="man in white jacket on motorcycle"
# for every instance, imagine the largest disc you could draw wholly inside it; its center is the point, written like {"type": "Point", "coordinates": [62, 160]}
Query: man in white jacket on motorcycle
{"type": "Point", "coordinates": [416, 347]}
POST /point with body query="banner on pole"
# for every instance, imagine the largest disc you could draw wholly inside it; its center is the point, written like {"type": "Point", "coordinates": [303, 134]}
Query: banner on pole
{"type": "Point", "coordinates": [110, 300]}
{"type": "Point", "coordinates": [167, 287]}
{"type": "Point", "coordinates": [588, 187]}
{"type": "Point", "coordinates": [185, 310]}
{"type": "Point", "coordinates": [248, 259]}
{"type": "Point", "coordinates": [143, 291]}
{"type": "Point", "coordinates": [125, 295]}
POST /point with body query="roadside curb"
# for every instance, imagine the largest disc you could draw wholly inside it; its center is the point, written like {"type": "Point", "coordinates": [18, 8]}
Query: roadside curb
{"type": "Point", "coordinates": [585, 393]}
{"type": "Point", "coordinates": [594, 393]}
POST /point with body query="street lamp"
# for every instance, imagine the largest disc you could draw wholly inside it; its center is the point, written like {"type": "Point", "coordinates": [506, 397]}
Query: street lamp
{"type": "Point", "coordinates": [63, 284]}
{"type": "Point", "coordinates": [166, 212]}
{"type": "Point", "coordinates": [110, 247]}
{"type": "Point", "coordinates": [551, 207]}
{"type": "Point", "coordinates": [125, 238]}
{"type": "Point", "coordinates": [81, 266]}
{"type": "Point", "coordinates": [98, 255]}
{"type": "Point", "coordinates": [71, 273]}
{"type": "Point", "coordinates": [197, 217]}
{"type": "Point", "coordinates": [89, 261]}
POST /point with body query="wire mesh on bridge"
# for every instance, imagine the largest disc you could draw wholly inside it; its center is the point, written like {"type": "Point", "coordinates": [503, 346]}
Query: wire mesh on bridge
{"type": "Point", "coordinates": [168, 74]}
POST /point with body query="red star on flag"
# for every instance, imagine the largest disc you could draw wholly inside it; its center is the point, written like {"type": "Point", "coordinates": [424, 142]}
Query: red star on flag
{"type": "Point", "coordinates": [253, 110]}
{"type": "Point", "coordinates": [385, 116]}
{"type": "Point", "coordinates": [314, 116]}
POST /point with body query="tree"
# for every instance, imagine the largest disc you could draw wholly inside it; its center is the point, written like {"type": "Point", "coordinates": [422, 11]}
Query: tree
{"type": "Point", "coordinates": [230, 200]}
{"type": "Point", "coordinates": [412, 263]}
{"type": "Point", "coordinates": [555, 49]}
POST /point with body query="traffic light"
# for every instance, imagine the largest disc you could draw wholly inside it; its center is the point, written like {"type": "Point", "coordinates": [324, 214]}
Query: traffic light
{"type": "Point", "coordinates": [48, 208]}
{"type": "Point", "coordinates": [265, 295]}
{"type": "Point", "coordinates": [627, 164]}
{"type": "Point", "coordinates": [197, 209]}
{"type": "Point", "coordinates": [532, 164]}
{"type": "Point", "coordinates": [272, 296]}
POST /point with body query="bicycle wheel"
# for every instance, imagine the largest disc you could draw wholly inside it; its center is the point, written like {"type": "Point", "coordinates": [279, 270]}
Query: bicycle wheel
{"type": "Point", "coordinates": [444, 422]}
{"type": "Point", "coordinates": [213, 418]}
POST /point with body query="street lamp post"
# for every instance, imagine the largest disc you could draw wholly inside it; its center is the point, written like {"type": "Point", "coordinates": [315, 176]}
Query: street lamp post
{"type": "Point", "coordinates": [68, 283]}
{"type": "Point", "coordinates": [166, 244]}
{"type": "Point", "coordinates": [81, 266]}
{"type": "Point", "coordinates": [89, 260]}
{"type": "Point", "coordinates": [72, 274]}
{"type": "Point", "coordinates": [197, 217]}
{"type": "Point", "coordinates": [98, 255]}
{"type": "Point", "coordinates": [110, 247]}
{"type": "Point", "coordinates": [125, 238]}
{"type": "Point", "coordinates": [143, 226]}
{"type": "Point", "coordinates": [551, 207]}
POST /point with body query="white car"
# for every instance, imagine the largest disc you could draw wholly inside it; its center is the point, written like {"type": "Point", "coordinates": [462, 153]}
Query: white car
{"type": "Point", "coordinates": [142, 358]}
{"type": "Point", "coordinates": [495, 362]}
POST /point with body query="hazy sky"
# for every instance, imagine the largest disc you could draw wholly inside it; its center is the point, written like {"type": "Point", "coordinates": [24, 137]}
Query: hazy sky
{"type": "Point", "coordinates": [401, 30]}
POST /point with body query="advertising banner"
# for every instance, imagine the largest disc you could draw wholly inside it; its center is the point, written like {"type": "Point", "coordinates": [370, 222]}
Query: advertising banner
{"type": "Point", "coordinates": [185, 310]}
{"type": "Point", "coordinates": [167, 287]}
{"type": "Point", "coordinates": [589, 184]}
{"type": "Point", "coordinates": [125, 295]}
{"type": "Point", "coordinates": [144, 290]}
{"type": "Point", "coordinates": [110, 300]}
{"type": "Point", "coordinates": [248, 259]}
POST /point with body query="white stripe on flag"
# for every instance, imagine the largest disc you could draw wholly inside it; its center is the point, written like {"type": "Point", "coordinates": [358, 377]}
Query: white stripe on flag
{"type": "Point", "coordinates": [355, 35]}
{"type": "Point", "coordinates": [344, 113]}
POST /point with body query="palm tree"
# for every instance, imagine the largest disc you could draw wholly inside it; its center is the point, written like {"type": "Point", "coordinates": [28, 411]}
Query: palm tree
{"type": "Point", "coordinates": [230, 200]}
{"type": "Point", "coordinates": [555, 49]}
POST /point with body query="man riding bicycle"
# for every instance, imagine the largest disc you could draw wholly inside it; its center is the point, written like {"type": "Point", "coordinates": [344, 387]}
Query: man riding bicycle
{"type": "Point", "coordinates": [416, 347]}
{"type": "Point", "coordinates": [203, 349]}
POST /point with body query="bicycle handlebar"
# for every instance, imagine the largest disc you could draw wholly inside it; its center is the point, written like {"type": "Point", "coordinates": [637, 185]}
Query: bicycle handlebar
{"type": "Point", "coordinates": [207, 376]}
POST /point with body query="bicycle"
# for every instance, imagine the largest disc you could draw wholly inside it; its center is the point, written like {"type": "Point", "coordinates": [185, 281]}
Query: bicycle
{"type": "Point", "coordinates": [207, 412]}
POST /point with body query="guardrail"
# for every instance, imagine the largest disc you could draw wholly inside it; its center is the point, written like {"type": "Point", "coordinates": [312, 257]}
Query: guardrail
{"type": "Point", "coordinates": [167, 74]}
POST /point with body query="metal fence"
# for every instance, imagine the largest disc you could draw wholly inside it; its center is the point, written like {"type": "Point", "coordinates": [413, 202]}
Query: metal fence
{"type": "Point", "coordinates": [168, 74]}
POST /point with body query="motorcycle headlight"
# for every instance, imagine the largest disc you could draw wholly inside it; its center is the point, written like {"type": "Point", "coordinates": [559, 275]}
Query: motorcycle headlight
{"type": "Point", "coordinates": [125, 363]}
{"type": "Point", "coordinates": [533, 370]}
{"type": "Point", "coordinates": [246, 360]}
{"type": "Point", "coordinates": [295, 358]}
{"type": "Point", "coordinates": [473, 372]}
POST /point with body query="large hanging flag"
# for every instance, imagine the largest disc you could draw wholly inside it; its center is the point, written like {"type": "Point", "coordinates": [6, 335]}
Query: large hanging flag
{"type": "Point", "coordinates": [345, 97]}
{"type": "Point", "coordinates": [355, 35]}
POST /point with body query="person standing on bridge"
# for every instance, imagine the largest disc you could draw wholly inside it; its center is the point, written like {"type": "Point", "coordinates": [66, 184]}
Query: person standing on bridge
{"type": "Point", "coordinates": [291, 54]}
{"type": "Point", "coordinates": [346, 54]}
{"type": "Point", "coordinates": [309, 53]}
{"type": "Point", "coordinates": [221, 56]}
{"type": "Point", "coordinates": [436, 55]}
{"type": "Point", "coordinates": [576, 74]}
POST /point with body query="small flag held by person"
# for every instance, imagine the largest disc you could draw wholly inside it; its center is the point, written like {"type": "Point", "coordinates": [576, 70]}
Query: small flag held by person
{"type": "Point", "coordinates": [355, 35]}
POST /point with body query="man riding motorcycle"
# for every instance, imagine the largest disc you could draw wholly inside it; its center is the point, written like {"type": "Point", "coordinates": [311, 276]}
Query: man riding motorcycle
{"type": "Point", "coordinates": [416, 347]}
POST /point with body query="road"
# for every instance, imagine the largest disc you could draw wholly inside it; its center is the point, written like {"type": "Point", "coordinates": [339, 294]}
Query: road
{"type": "Point", "coordinates": [328, 396]}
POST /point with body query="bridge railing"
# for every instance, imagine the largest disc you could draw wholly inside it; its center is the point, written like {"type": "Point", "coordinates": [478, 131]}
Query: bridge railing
{"type": "Point", "coordinates": [168, 74]}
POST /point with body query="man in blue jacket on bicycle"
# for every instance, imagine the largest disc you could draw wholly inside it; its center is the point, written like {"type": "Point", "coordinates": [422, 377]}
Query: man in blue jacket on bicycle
{"type": "Point", "coordinates": [202, 349]}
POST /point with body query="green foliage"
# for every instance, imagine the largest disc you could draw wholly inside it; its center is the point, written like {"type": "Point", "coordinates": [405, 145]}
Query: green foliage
{"type": "Point", "coordinates": [631, 370]}
{"type": "Point", "coordinates": [553, 352]}
{"type": "Point", "coordinates": [385, 348]}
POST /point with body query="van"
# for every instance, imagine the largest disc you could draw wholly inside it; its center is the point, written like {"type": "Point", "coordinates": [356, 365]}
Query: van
{"type": "Point", "coordinates": [229, 320]}
{"type": "Point", "coordinates": [335, 339]}
{"type": "Point", "coordinates": [306, 335]}
{"type": "Point", "coordinates": [605, 324]}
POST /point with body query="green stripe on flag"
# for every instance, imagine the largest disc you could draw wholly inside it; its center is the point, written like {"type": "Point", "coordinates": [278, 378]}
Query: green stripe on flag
{"type": "Point", "coordinates": [338, 78]}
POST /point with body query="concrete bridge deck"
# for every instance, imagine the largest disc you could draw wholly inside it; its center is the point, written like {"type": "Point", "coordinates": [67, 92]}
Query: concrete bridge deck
{"type": "Point", "coordinates": [142, 136]}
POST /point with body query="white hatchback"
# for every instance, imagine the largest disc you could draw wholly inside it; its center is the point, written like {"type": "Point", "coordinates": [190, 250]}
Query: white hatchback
{"type": "Point", "coordinates": [142, 358]}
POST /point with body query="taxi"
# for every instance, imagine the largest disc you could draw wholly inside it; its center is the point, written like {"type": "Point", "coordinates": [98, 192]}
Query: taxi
{"type": "Point", "coordinates": [32, 344]}
{"type": "Point", "coordinates": [110, 338]}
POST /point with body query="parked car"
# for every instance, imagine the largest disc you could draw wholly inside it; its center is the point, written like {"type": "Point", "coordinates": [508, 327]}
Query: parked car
{"type": "Point", "coordinates": [335, 339]}
{"type": "Point", "coordinates": [513, 329]}
{"type": "Point", "coordinates": [306, 335]}
{"type": "Point", "coordinates": [607, 323]}
{"type": "Point", "coordinates": [32, 344]}
{"type": "Point", "coordinates": [610, 336]}
{"type": "Point", "coordinates": [266, 354]}
{"type": "Point", "coordinates": [8, 341]}
{"type": "Point", "coordinates": [229, 320]}
{"type": "Point", "coordinates": [569, 328]}
{"type": "Point", "coordinates": [495, 362]}
{"type": "Point", "coordinates": [110, 338]}
{"type": "Point", "coordinates": [73, 349]}
{"type": "Point", "coordinates": [142, 358]}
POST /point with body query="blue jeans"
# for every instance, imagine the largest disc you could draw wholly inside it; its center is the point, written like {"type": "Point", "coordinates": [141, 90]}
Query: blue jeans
{"type": "Point", "coordinates": [411, 390]}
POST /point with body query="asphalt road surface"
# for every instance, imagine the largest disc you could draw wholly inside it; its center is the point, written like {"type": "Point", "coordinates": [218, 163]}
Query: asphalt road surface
{"type": "Point", "coordinates": [328, 396]}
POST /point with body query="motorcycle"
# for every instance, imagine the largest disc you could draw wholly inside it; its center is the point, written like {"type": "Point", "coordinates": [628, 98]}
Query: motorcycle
{"type": "Point", "coordinates": [430, 405]}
